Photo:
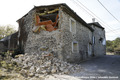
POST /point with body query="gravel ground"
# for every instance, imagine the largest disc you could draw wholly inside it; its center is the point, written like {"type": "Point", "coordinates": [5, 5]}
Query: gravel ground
{"type": "Point", "coordinates": [101, 68]}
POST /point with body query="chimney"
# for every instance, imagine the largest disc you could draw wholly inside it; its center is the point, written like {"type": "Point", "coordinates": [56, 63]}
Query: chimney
{"type": "Point", "coordinates": [93, 19]}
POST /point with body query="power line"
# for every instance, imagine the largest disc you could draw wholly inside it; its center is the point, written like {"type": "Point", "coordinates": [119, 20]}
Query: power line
{"type": "Point", "coordinates": [108, 11]}
{"type": "Point", "coordinates": [113, 30]}
{"type": "Point", "coordinates": [92, 13]}
{"type": "Point", "coordinates": [81, 8]}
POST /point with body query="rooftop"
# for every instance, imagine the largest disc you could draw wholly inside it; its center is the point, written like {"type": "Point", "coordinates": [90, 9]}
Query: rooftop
{"type": "Point", "coordinates": [96, 24]}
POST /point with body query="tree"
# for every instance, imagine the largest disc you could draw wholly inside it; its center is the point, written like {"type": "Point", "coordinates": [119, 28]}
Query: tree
{"type": "Point", "coordinates": [109, 46]}
{"type": "Point", "coordinates": [6, 30]}
{"type": "Point", "coordinates": [113, 46]}
{"type": "Point", "coordinates": [116, 42]}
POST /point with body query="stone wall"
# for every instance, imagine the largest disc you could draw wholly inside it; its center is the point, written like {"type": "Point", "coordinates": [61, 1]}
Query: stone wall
{"type": "Point", "coordinates": [99, 46]}
{"type": "Point", "coordinates": [25, 26]}
{"type": "Point", "coordinates": [83, 36]}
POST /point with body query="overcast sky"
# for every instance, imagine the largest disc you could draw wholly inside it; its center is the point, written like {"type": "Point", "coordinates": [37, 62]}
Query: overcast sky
{"type": "Point", "coordinates": [12, 10]}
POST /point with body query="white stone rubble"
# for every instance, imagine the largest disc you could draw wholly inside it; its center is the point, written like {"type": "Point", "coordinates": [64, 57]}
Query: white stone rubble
{"type": "Point", "coordinates": [44, 64]}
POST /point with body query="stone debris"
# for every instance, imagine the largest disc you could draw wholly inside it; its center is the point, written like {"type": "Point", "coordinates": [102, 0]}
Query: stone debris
{"type": "Point", "coordinates": [35, 64]}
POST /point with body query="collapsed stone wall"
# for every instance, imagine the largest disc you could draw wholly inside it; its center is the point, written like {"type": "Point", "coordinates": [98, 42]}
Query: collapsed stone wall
{"type": "Point", "coordinates": [44, 39]}
{"type": "Point", "coordinates": [42, 63]}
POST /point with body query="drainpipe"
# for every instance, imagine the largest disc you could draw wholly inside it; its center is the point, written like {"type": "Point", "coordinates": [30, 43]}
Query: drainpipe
{"type": "Point", "coordinates": [93, 43]}
{"type": "Point", "coordinates": [93, 40]}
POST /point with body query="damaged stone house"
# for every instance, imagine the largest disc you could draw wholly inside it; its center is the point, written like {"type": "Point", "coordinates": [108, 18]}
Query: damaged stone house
{"type": "Point", "coordinates": [59, 30]}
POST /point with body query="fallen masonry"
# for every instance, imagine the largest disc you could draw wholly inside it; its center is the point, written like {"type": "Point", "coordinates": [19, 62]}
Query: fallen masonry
{"type": "Point", "coordinates": [36, 64]}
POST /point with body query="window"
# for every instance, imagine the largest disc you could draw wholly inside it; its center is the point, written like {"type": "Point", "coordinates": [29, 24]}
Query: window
{"type": "Point", "coordinates": [93, 39]}
{"type": "Point", "coordinates": [100, 40]}
{"type": "Point", "coordinates": [72, 25]}
{"type": "Point", "coordinates": [75, 47]}
{"type": "Point", "coordinates": [89, 49]}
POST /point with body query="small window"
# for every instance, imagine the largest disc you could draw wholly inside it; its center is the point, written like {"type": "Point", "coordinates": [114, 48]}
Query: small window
{"type": "Point", "coordinates": [72, 25]}
{"type": "Point", "coordinates": [74, 46]}
{"type": "Point", "coordinates": [100, 40]}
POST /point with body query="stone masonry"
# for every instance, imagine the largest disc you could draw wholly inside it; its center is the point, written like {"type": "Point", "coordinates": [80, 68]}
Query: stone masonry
{"type": "Point", "coordinates": [99, 39]}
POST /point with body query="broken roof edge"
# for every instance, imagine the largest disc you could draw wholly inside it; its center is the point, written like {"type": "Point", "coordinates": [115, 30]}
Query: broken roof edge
{"type": "Point", "coordinates": [96, 24]}
{"type": "Point", "coordinates": [58, 5]}
{"type": "Point", "coordinates": [66, 7]}
{"type": "Point", "coordinates": [51, 5]}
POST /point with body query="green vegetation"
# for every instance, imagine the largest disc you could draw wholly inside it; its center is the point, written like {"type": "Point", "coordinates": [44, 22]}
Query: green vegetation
{"type": "Point", "coordinates": [113, 46]}
{"type": "Point", "coordinates": [6, 30]}
{"type": "Point", "coordinates": [9, 70]}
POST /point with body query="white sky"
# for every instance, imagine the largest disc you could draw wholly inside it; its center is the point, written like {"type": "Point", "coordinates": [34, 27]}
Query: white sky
{"type": "Point", "coordinates": [12, 10]}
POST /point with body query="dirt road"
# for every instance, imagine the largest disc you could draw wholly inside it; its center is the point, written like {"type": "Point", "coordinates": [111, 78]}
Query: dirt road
{"type": "Point", "coordinates": [102, 68]}
{"type": "Point", "coordinates": [105, 67]}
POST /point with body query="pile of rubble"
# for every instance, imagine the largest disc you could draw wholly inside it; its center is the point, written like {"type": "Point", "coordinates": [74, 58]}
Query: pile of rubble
{"type": "Point", "coordinates": [33, 64]}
